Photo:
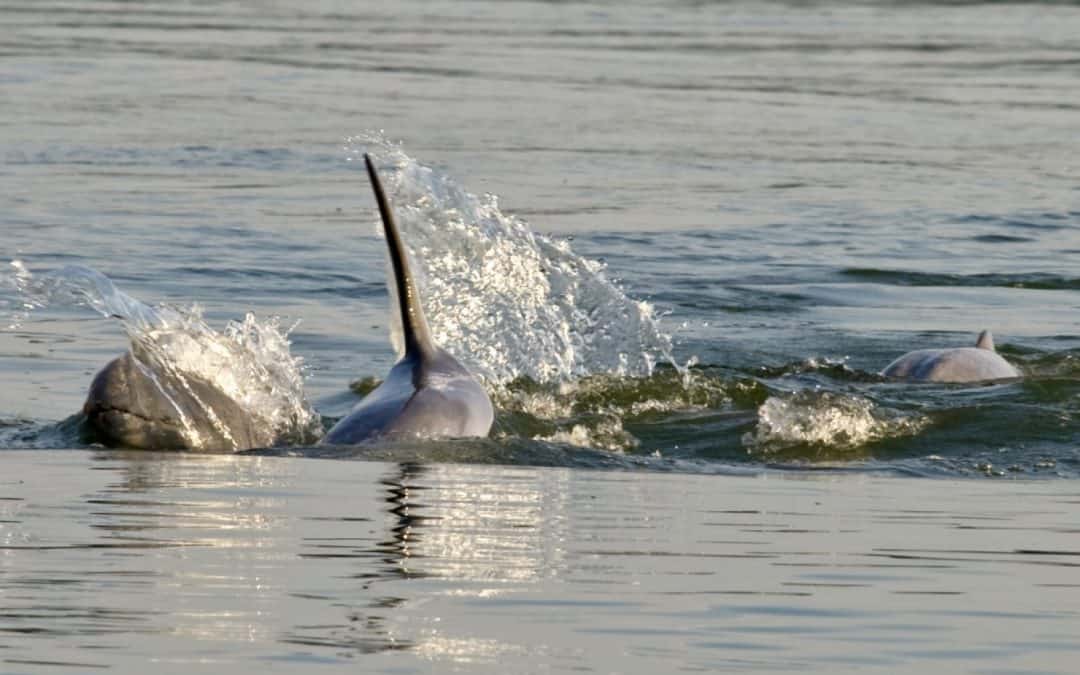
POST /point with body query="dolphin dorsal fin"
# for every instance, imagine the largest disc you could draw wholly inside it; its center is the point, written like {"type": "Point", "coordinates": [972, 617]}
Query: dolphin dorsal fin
{"type": "Point", "coordinates": [417, 335]}
{"type": "Point", "coordinates": [985, 341]}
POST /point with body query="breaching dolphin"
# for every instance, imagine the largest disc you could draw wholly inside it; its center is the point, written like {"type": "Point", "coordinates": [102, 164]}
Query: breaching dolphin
{"type": "Point", "coordinates": [961, 364]}
{"type": "Point", "coordinates": [128, 408]}
{"type": "Point", "coordinates": [427, 393]}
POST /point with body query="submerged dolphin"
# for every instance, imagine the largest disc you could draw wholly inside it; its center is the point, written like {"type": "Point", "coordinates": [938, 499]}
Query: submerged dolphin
{"type": "Point", "coordinates": [427, 392]}
{"type": "Point", "coordinates": [126, 407]}
{"type": "Point", "coordinates": [960, 364]}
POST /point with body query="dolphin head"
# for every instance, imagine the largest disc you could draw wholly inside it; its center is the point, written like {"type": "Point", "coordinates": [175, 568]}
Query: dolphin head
{"type": "Point", "coordinates": [127, 407]}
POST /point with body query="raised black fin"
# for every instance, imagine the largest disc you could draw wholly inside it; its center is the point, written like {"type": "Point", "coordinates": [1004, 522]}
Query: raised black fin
{"type": "Point", "coordinates": [985, 341]}
{"type": "Point", "coordinates": [417, 335]}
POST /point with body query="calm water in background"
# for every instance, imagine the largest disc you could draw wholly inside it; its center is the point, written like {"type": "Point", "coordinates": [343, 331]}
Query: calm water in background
{"type": "Point", "coordinates": [806, 191]}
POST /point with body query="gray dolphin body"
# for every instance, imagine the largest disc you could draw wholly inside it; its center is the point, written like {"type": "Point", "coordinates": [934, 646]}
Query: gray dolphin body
{"type": "Point", "coordinates": [127, 408]}
{"type": "Point", "coordinates": [962, 364]}
{"type": "Point", "coordinates": [427, 393]}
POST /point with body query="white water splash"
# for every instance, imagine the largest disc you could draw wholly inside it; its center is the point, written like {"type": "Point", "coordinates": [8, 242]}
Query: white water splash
{"type": "Point", "coordinates": [607, 434]}
{"type": "Point", "coordinates": [825, 419]}
{"type": "Point", "coordinates": [249, 361]}
{"type": "Point", "coordinates": [592, 411]}
{"type": "Point", "coordinates": [504, 300]}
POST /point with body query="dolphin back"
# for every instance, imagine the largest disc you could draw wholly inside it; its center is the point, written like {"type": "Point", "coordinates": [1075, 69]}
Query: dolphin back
{"type": "Point", "coordinates": [962, 364]}
{"type": "Point", "coordinates": [427, 393]}
{"type": "Point", "coordinates": [447, 403]}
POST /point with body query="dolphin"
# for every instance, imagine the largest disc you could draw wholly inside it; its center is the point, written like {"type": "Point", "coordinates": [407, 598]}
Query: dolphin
{"type": "Point", "coordinates": [130, 407]}
{"type": "Point", "coordinates": [959, 364]}
{"type": "Point", "coordinates": [427, 392]}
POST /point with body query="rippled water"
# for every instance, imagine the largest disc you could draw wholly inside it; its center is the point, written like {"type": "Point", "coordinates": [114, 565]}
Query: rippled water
{"type": "Point", "coordinates": [255, 562]}
{"type": "Point", "coordinates": [673, 238]}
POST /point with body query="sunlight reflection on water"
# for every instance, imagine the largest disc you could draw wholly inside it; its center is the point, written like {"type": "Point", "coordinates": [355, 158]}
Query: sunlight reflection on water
{"type": "Point", "coordinates": [117, 558]}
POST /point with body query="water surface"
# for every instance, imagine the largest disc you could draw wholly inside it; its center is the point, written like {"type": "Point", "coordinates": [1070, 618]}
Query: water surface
{"type": "Point", "coordinates": [243, 563]}
{"type": "Point", "coordinates": [799, 192]}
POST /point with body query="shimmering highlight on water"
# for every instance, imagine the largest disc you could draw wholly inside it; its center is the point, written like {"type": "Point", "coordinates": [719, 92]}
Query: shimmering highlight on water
{"type": "Point", "coordinates": [231, 562]}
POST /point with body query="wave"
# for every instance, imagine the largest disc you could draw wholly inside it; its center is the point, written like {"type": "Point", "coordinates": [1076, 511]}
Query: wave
{"type": "Point", "coordinates": [825, 425]}
{"type": "Point", "coordinates": [1036, 281]}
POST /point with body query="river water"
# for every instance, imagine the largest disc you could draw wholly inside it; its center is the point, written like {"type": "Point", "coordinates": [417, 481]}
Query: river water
{"type": "Point", "coordinates": [240, 564]}
{"type": "Point", "coordinates": [676, 240]}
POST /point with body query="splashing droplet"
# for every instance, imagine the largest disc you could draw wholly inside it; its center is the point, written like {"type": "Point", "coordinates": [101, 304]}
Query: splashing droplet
{"type": "Point", "coordinates": [249, 361]}
{"type": "Point", "coordinates": [504, 300]}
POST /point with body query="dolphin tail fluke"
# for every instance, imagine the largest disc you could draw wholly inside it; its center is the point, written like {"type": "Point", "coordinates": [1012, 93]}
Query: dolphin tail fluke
{"type": "Point", "coordinates": [413, 323]}
{"type": "Point", "coordinates": [985, 341]}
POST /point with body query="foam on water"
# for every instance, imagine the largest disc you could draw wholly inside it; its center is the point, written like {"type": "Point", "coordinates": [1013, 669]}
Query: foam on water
{"type": "Point", "coordinates": [827, 420]}
{"type": "Point", "coordinates": [504, 300]}
{"type": "Point", "coordinates": [593, 411]}
{"type": "Point", "coordinates": [249, 361]}
{"type": "Point", "coordinates": [608, 434]}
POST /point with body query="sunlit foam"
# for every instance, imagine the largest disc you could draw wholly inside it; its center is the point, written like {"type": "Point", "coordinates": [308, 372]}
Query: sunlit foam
{"type": "Point", "coordinates": [607, 434]}
{"type": "Point", "coordinates": [826, 419]}
{"type": "Point", "coordinates": [504, 300]}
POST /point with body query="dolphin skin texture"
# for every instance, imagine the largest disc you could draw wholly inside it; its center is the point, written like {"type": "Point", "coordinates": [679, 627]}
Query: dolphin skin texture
{"type": "Point", "coordinates": [127, 408]}
{"type": "Point", "coordinates": [961, 364]}
{"type": "Point", "coordinates": [427, 392]}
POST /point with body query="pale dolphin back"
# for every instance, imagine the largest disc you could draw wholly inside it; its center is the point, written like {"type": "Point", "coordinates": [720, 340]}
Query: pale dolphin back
{"type": "Point", "coordinates": [961, 364]}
